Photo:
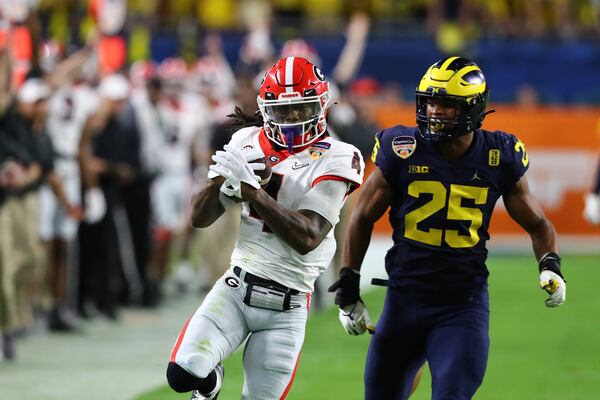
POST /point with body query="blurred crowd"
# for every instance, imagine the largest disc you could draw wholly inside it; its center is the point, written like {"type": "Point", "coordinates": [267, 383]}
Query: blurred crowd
{"type": "Point", "coordinates": [99, 158]}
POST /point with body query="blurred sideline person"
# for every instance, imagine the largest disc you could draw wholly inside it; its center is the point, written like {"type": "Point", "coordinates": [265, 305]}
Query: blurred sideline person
{"type": "Point", "coordinates": [147, 99]}
{"type": "Point", "coordinates": [69, 107]}
{"type": "Point", "coordinates": [285, 241]}
{"type": "Point", "coordinates": [23, 125]}
{"type": "Point", "coordinates": [441, 181]}
{"type": "Point", "coordinates": [114, 239]}
{"type": "Point", "coordinates": [591, 212]}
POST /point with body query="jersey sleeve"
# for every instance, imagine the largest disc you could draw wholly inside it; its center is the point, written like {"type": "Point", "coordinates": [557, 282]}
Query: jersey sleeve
{"type": "Point", "coordinates": [516, 160]}
{"type": "Point", "coordinates": [344, 163]}
{"type": "Point", "coordinates": [383, 155]}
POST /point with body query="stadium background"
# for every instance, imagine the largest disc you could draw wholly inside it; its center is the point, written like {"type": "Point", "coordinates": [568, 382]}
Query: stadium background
{"type": "Point", "coordinates": [541, 60]}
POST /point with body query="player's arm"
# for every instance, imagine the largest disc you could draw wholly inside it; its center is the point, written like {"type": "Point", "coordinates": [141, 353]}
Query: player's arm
{"type": "Point", "coordinates": [206, 204]}
{"type": "Point", "coordinates": [305, 229]}
{"type": "Point", "coordinates": [372, 204]}
{"type": "Point", "coordinates": [524, 208]}
{"type": "Point", "coordinates": [527, 212]}
{"type": "Point", "coordinates": [591, 211]}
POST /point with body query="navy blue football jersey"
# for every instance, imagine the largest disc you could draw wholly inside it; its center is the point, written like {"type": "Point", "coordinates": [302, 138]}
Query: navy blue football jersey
{"type": "Point", "coordinates": [440, 210]}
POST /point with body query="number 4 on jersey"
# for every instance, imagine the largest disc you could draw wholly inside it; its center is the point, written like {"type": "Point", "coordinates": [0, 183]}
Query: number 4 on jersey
{"type": "Point", "coordinates": [273, 190]}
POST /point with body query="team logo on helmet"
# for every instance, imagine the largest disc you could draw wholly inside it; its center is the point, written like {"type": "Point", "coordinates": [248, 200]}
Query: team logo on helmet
{"type": "Point", "coordinates": [319, 74]}
{"type": "Point", "coordinates": [404, 146]}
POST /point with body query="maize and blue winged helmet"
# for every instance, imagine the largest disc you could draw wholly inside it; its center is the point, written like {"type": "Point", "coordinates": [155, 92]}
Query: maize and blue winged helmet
{"type": "Point", "coordinates": [458, 82]}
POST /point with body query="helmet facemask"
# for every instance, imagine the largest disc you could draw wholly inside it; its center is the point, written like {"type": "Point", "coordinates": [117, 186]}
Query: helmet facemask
{"type": "Point", "coordinates": [294, 121]}
{"type": "Point", "coordinates": [468, 117]}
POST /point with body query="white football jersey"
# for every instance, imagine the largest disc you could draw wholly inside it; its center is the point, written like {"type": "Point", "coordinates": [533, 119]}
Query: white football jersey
{"type": "Point", "coordinates": [183, 124]}
{"type": "Point", "coordinates": [261, 252]}
{"type": "Point", "coordinates": [68, 110]}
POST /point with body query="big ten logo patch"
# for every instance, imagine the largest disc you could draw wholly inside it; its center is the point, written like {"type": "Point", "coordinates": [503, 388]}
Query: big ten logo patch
{"type": "Point", "coordinates": [418, 169]}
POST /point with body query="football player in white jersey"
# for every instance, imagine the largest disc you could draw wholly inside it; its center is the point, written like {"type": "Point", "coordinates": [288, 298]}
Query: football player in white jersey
{"type": "Point", "coordinates": [285, 239]}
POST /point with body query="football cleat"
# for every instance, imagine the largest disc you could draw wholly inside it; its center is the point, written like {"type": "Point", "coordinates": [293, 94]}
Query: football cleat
{"type": "Point", "coordinates": [220, 371]}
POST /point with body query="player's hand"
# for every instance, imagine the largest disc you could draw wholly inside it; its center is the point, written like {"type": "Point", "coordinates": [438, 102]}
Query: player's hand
{"type": "Point", "coordinates": [552, 281]}
{"type": "Point", "coordinates": [555, 286]}
{"type": "Point", "coordinates": [353, 313]}
{"type": "Point", "coordinates": [232, 164]}
{"type": "Point", "coordinates": [356, 319]}
{"type": "Point", "coordinates": [591, 212]}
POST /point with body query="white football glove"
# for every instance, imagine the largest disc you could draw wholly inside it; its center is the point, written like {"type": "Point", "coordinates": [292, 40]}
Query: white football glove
{"type": "Point", "coordinates": [591, 212]}
{"type": "Point", "coordinates": [555, 286]}
{"type": "Point", "coordinates": [232, 164]}
{"type": "Point", "coordinates": [356, 319]}
{"type": "Point", "coordinates": [95, 205]}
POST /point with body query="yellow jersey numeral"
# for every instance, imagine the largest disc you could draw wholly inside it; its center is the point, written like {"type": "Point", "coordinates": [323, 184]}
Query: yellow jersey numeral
{"type": "Point", "coordinates": [375, 149]}
{"type": "Point", "coordinates": [456, 212]}
{"type": "Point", "coordinates": [520, 148]}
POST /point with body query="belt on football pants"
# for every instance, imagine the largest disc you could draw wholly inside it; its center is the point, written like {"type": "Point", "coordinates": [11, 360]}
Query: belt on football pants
{"type": "Point", "coordinates": [251, 278]}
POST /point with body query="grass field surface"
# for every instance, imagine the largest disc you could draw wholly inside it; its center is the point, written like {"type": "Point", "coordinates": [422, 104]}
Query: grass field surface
{"type": "Point", "coordinates": [536, 353]}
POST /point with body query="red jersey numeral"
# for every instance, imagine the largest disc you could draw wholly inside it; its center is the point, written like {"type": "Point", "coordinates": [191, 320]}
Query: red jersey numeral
{"type": "Point", "coordinates": [356, 162]}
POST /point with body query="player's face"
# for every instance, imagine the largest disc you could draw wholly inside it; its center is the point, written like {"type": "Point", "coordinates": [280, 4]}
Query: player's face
{"type": "Point", "coordinates": [442, 114]}
{"type": "Point", "coordinates": [442, 109]}
{"type": "Point", "coordinates": [293, 113]}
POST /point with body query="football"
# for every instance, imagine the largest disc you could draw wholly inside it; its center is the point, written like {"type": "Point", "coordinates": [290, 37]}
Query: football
{"type": "Point", "coordinates": [265, 174]}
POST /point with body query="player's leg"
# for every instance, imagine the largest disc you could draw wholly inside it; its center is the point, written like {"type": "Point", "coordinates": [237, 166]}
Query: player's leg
{"type": "Point", "coordinates": [216, 329]}
{"type": "Point", "coordinates": [457, 350]}
{"type": "Point", "coordinates": [273, 351]}
{"type": "Point", "coordinates": [397, 349]}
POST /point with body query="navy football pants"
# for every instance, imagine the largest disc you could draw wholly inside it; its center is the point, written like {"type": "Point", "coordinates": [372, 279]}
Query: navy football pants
{"type": "Point", "coordinates": [452, 338]}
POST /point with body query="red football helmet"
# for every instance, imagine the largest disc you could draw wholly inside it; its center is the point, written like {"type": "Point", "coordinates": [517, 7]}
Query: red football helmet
{"type": "Point", "coordinates": [293, 99]}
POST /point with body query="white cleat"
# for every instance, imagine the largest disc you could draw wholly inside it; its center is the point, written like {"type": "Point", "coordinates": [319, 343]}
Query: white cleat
{"type": "Point", "coordinates": [220, 371]}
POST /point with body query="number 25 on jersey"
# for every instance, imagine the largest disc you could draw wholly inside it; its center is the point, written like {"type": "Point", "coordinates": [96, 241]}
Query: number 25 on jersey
{"type": "Point", "coordinates": [455, 212]}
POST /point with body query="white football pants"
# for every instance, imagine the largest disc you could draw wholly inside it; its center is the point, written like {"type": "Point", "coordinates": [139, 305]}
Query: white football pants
{"type": "Point", "coordinates": [222, 323]}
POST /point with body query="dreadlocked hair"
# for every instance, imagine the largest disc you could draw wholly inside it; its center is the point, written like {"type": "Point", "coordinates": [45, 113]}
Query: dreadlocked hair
{"type": "Point", "coordinates": [240, 119]}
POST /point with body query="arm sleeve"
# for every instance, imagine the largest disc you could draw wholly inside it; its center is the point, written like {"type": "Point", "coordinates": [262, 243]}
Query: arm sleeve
{"type": "Point", "coordinates": [384, 157]}
{"type": "Point", "coordinates": [326, 199]}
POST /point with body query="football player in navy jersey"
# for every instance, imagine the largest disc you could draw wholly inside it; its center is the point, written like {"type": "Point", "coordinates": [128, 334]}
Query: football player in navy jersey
{"type": "Point", "coordinates": [440, 181]}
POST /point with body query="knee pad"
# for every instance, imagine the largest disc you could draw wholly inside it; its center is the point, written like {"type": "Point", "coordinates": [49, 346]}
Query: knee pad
{"type": "Point", "coordinates": [182, 381]}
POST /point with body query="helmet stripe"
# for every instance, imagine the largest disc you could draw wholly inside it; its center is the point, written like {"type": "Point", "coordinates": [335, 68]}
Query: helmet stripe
{"type": "Point", "coordinates": [447, 63]}
{"type": "Point", "coordinates": [289, 74]}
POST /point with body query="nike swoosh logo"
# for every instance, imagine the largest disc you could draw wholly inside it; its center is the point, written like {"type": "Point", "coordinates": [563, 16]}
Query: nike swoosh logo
{"type": "Point", "coordinates": [298, 165]}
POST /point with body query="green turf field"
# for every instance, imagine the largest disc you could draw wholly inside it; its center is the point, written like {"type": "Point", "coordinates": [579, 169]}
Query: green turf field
{"type": "Point", "coordinates": [536, 353]}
